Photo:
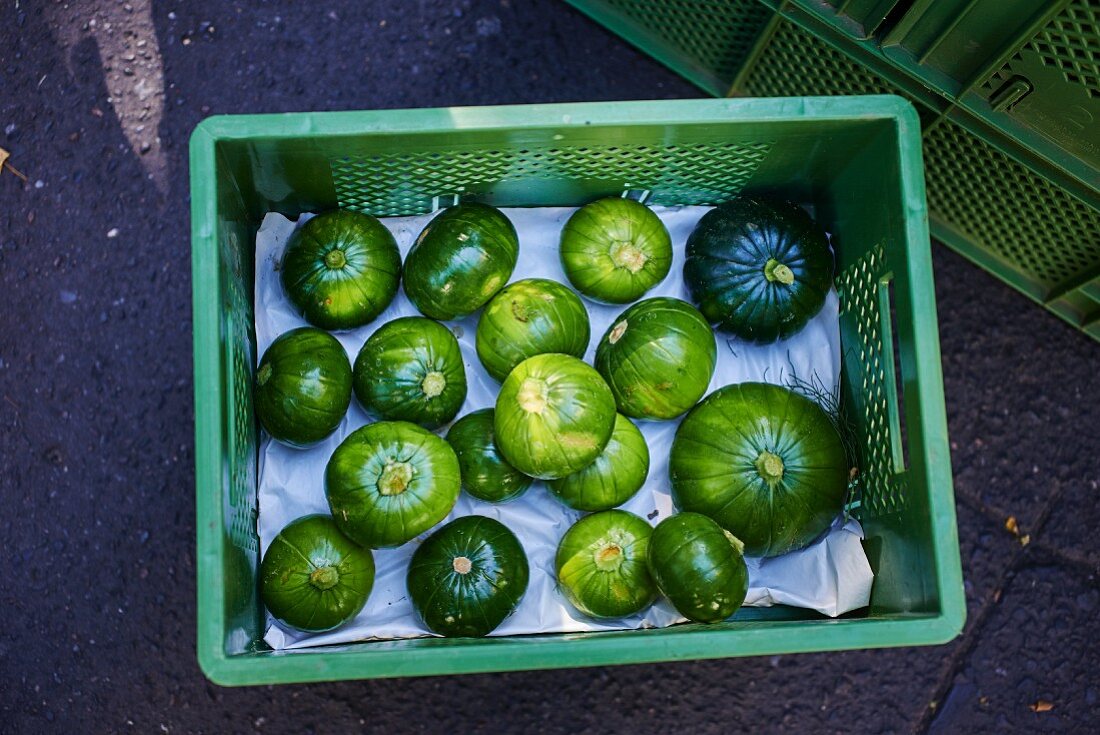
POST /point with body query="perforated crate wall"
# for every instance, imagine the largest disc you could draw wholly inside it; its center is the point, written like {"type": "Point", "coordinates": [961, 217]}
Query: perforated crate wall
{"type": "Point", "coordinates": [782, 71]}
{"type": "Point", "coordinates": [709, 39]}
{"type": "Point", "coordinates": [240, 362]}
{"type": "Point", "coordinates": [1071, 43]}
{"type": "Point", "coordinates": [1058, 114]}
{"type": "Point", "coordinates": [1033, 226]}
{"type": "Point", "coordinates": [408, 183]}
{"type": "Point", "coordinates": [881, 489]}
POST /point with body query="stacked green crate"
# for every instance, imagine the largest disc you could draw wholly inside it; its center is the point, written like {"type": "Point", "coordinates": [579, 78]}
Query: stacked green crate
{"type": "Point", "coordinates": [1008, 92]}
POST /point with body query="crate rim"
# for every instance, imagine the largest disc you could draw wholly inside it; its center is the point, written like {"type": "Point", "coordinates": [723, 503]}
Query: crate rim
{"type": "Point", "coordinates": [231, 127]}
{"type": "Point", "coordinates": [511, 654]}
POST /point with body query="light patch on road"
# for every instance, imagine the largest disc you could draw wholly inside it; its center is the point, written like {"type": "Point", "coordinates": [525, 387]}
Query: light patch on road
{"type": "Point", "coordinates": [129, 53]}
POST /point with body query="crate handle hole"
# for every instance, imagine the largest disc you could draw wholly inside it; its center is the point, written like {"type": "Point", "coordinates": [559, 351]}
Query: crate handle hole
{"type": "Point", "coordinates": [891, 357]}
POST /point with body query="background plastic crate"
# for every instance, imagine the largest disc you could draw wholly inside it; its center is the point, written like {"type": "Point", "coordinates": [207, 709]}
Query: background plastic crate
{"type": "Point", "coordinates": [1031, 70]}
{"type": "Point", "coordinates": [1011, 139]}
{"type": "Point", "coordinates": [855, 160]}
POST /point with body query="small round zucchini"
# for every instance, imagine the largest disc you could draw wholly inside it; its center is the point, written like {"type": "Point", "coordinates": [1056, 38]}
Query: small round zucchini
{"type": "Point", "coordinates": [411, 369]}
{"type": "Point", "coordinates": [467, 577]}
{"type": "Point", "coordinates": [554, 415]}
{"type": "Point", "coordinates": [303, 386]}
{"type": "Point", "coordinates": [389, 482]}
{"type": "Point", "coordinates": [613, 477]}
{"type": "Point", "coordinates": [461, 259]}
{"type": "Point", "coordinates": [341, 269]}
{"type": "Point", "coordinates": [613, 250]}
{"type": "Point", "coordinates": [313, 577]}
{"type": "Point", "coordinates": [486, 475]}
{"type": "Point", "coordinates": [601, 565]}
{"type": "Point", "coordinates": [699, 567]}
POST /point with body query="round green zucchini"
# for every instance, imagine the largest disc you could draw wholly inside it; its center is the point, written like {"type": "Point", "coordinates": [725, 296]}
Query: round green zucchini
{"type": "Point", "coordinates": [554, 415]}
{"type": "Point", "coordinates": [758, 269]}
{"type": "Point", "coordinates": [657, 357]}
{"type": "Point", "coordinates": [341, 269]}
{"type": "Point", "coordinates": [764, 462]}
{"type": "Point", "coordinates": [601, 565]}
{"type": "Point", "coordinates": [460, 260]}
{"type": "Point", "coordinates": [699, 567]}
{"type": "Point", "coordinates": [313, 577]}
{"type": "Point", "coordinates": [530, 317]}
{"type": "Point", "coordinates": [467, 577]}
{"type": "Point", "coordinates": [303, 386]}
{"type": "Point", "coordinates": [485, 474]}
{"type": "Point", "coordinates": [613, 250]}
{"type": "Point", "coordinates": [389, 482]}
{"type": "Point", "coordinates": [411, 369]}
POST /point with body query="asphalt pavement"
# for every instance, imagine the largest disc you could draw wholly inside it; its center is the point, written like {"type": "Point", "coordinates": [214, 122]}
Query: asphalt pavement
{"type": "Point", "coordinates": [97, 593]}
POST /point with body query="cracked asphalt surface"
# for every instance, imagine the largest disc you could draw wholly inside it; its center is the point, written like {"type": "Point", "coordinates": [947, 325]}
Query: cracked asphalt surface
{"type": "Point", "coordinates": [96, 453]}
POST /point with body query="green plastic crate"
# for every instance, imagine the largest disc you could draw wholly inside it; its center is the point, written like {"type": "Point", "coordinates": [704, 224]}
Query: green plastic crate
{"type": "Point", "coordinates": [858, 18]}
{"type": "Point", "coordinates": [1030, 70]}
{"type": "Point", "coordinates": [1016, 184]}
{"type": "Point", "coordinates": [857, 161]}
{"type": "Point", "coordinates": [1027, 72]}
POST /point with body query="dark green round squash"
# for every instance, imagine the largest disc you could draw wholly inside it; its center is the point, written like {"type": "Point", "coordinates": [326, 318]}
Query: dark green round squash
{"type": "Point", "coordinates": [531, 317]}
{"type": "Point", "coordinates": [313, 577]}
{"type": "Point", "coordinates": [554, 415]}
{"type": "Point", "coordinates": [758, 269]}
{"type": "Point", "coordinates": [486, 475]}
{"type": "Point", "coordinates": [303, 386]}
{"type": "Point", "coordinates": [601, 565]}
{"type": "Point", "coordinates": [411, 369]}
{"type": "Point", "coordinates": [764, 462]}
{"type": "Point", "coordinates": [657, 357]}
{"type": "Point", "coordinates": [460, 260]}
{"type": "Point", "coordinates": [699, 567]}
{"type": "Point", "coordinates": [613, 477]}
{"type": "Point", "coordinates": [467, 577]}
{"type": "Point", "coordinates": [389, 482]}
{"type": "Point", "coordinates": [341, 269]}
{"type": "Point", "coordinates": [613, 250]}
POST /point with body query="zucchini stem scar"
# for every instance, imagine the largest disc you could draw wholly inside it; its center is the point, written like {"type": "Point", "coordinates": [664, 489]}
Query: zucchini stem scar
{"type": "Point", "coordinates": [433, 384]}
{"type": "Point", "coordinates": [395, 478]}
{"type": "Point", "coordinates": [324, 578]}
{"type": "Point", "coordinates": [617, 332]}
{"type": "Point", "coordinates": [533, 395]}
{"type": "Point", "coordinates": [735, 542]}
{"type": "Point", "coordinates": [520, 311]}
{"type": "Point", "coordinates": [608, 556]}
{"type": "Point", "coordinates": [625, 254]}
{"type": "Point", "coordinates": [335, 259]}
{"type": "Point", "coordinates": [769, 466]}
{"type": "Point", "coordinates": [776, 272]}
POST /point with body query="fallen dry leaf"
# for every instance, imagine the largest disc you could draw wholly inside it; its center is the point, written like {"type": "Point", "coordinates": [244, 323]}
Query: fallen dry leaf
{"type": "Point", "coordinates": [1041, 706]}
{"type": "Point", "coordinates": [1011, 527]}
{"type": "Point", "coordinates": [1025, 539]}
{"type": "Point", "coordinates": [6, 164]}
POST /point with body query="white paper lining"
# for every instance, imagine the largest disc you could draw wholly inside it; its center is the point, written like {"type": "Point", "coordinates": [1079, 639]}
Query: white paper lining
{"type": "Point", "coordinates": [831, 576]}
